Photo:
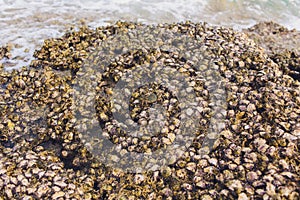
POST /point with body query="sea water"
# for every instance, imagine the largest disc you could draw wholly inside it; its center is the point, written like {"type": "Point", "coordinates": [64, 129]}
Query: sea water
{"type": "Point", "coordinates": [25, 24]}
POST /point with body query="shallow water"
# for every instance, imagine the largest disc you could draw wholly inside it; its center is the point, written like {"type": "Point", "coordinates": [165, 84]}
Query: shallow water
{"type": "Point", "coordinates": [26, 23]}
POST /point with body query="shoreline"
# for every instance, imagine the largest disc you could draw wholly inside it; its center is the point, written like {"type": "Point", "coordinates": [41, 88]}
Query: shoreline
{"type": "Point", "coordinates": [20, 55]}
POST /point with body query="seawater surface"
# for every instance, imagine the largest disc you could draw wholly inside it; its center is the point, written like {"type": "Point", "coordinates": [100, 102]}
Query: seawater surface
{"type": "Point", "coordinates": [25, 24]}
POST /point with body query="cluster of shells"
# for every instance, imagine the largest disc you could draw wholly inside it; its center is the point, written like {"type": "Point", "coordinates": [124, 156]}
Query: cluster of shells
{"type": "Point", "coordinates": [44, 155]}
{"type": "Point", "coordinates": [4, 54]}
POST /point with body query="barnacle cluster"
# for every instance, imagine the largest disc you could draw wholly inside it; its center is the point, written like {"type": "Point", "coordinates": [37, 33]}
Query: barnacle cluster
{"type": "Point", "coordinates": [44, 153]}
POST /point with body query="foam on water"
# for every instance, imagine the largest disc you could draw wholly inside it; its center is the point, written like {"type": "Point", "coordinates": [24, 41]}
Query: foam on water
{"type": "Point", "coordinates": [28, 22]}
